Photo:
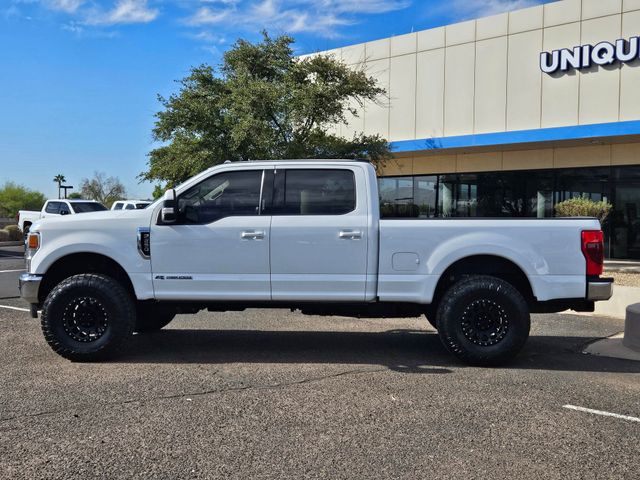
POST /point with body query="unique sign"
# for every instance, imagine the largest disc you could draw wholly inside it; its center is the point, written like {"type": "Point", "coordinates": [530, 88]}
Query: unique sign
{"type": "Point", "coordinates": [585, 56]}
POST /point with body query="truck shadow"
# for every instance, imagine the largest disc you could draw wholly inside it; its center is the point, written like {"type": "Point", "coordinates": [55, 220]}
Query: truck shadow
{"type": "Point", "coordinates": [406, 351]}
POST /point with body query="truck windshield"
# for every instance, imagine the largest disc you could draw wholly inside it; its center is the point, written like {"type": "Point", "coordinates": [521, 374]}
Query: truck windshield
{"type": "Point", "coordinates": [84, 207]}
{"type": "Point", "coordinates": [141, 206]}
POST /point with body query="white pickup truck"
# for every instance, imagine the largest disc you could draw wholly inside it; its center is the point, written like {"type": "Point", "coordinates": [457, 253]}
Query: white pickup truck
{"type": "Point", "coordinates": [55, 208]}
{"type": "Point", "coordinates": [304, 235]}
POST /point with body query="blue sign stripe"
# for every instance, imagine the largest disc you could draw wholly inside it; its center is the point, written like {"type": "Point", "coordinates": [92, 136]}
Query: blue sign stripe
{"type": "Point", "coordinates": [600, 130]}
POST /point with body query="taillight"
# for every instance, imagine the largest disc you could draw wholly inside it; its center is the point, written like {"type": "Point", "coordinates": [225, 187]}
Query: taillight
{"type": "Point", "coordinates": [593, 250]}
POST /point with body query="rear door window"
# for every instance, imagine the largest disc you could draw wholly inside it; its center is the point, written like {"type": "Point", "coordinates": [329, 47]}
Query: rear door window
{"type": "Point", "coordinates": [315, 192]}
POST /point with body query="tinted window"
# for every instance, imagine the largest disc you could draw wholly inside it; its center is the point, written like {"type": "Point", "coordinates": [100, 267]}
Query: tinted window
{"type": "Point", "coordinates": [117, 206]}
{"type": "Point", "coordinates": [318, 192]}
{"type": "Point", "coordinates": [84, 207]}
{"type": "Point", "coordinates": [141, 206]}
{"type": "Point", "coordinates": [53, 207]}
{"type": "Point", "coordinates": [130, 206]}
{"type": "Point", "coordinates": [223, 195]}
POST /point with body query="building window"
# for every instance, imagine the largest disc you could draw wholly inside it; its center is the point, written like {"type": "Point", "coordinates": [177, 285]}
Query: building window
{"type": "Point", "coordinates": [531, 193]}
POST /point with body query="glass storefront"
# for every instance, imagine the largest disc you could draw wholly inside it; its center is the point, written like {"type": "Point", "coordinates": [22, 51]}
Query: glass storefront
{"type": "Point", "coordinates": [529, 193]}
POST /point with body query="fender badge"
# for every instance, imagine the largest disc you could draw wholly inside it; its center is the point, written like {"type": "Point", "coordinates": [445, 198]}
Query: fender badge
{"type": "Point", "coordinates": [173, 277]}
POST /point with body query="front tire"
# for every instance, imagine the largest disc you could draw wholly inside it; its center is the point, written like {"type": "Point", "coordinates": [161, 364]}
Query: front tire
{"type": "Point", "coordinates": [483, 320]}
{"type": "Point", "coordinates": [88, 317]}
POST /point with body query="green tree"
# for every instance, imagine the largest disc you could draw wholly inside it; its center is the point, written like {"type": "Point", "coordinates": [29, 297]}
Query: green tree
{"type": "Point", "coordinates": [15, 197]}
{"type": "Point", "coordinates": [59, 179]}
{"type": "Point", "coordinates": [263, 103]}
{"type": "Point", "coordinates": [158, 191]}
{"type": "Point", "coordinates": [103, 189]}
{"type": "Point", "coordinates": [75, 196]}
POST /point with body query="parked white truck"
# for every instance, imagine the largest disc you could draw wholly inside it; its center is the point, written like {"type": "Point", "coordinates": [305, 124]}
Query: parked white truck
{"type": "Point", "coordinates": [304, 235]}
{"type": "Point", "coordinates": [56, 208]}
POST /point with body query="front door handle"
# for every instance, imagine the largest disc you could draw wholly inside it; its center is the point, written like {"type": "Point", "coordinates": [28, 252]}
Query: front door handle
{"type": "Point", "coordinates": [350, 234]}
{"type": "Point", "coordinates": [254, 235]}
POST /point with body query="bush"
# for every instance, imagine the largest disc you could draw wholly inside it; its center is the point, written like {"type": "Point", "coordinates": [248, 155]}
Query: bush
{"type": "Point", "coordinates": [15, 197]}
{"type": "Point", "coordinates": [4, 236]}
{"type": "Point", "coordinates": [14, 232]}
{"type": "Point", "coordinates": [583, 207]}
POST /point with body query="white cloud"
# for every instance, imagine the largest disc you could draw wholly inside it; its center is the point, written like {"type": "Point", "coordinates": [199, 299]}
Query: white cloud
{"type": "Point", "coordinates": [208, 37]}
{"type": "Point", "coordinates": [67, 6]}
{"type": "Point", "coordinates": [323, 17]}
{"type": "Point", "coordinates": [124, 11]}
{"type": "Point", "coordinates": [362, 6]}
{"type": "Point", "coordinates": [208, 16]}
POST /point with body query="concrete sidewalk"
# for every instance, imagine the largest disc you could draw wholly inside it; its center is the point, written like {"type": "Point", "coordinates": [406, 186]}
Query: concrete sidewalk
{"type": "Point", "coordinates": [617, 305]}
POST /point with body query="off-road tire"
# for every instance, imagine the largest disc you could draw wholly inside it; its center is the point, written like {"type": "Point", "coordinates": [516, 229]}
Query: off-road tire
{"type": "Point", "coordinates": [151, 318]}
{"type": "Point", "coordinates": [483, 320]}
{"type": "Point", "coordinates": [88, 303]}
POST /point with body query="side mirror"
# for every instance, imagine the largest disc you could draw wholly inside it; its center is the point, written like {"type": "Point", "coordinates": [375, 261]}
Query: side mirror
{"type": "Point", "coordinates": [64, 212]}
{"type": "Point", "coordinates": [169, 212]}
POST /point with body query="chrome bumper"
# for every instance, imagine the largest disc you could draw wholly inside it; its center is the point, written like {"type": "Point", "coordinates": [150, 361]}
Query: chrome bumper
{"type": "Point", "coordinates": [29, 286]}
{"type": "Point", "coordinates": [600, 289]}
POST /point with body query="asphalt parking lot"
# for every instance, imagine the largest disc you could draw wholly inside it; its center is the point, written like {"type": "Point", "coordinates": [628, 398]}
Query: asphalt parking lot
{"type": "Point", "coordinates": [274, 394]}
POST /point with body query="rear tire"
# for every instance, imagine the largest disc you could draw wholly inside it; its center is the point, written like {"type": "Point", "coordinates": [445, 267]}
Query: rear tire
{"type": "Point", "coordinates": [151, 318]}
{"type": "Point", "coordinates": [483, 320]}
{"type": "Point", "coordinates": [88, 317]}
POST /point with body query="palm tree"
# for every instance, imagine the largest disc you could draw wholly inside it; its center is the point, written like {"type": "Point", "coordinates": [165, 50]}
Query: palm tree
{"type": "Point", "coordinates": [59, 179]}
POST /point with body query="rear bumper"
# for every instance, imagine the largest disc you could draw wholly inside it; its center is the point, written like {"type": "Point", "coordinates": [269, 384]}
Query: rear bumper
{"type": "Point", "coordinates": [599, 289]}
{"type": "Point", "coordinates": [29, 287]}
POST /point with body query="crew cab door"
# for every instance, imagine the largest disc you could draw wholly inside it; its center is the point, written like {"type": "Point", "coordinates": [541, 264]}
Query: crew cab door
{"type": "Point", "coordinates": [219, 247]}
{"type": "Point", "coordinates": [319, 234]}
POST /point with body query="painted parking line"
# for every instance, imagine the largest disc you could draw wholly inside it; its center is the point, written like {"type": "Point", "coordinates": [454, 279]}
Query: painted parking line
{"type": "Point", "coordinates": [602, 412]}
{"type": "Point", "coordinates": [15, 308]}
{"type": "Point", "coordinates": [12, 271]}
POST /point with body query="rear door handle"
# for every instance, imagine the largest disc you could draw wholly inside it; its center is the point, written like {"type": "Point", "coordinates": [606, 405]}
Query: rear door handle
{"type": "Point", "coordinates": [350, 234]}
{"type": "Point", "coordinates": [256, 235]}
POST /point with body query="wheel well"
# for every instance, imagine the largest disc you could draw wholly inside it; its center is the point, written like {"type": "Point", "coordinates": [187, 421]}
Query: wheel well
{"type": "Point", "coordinates": [77, 263]}
{"type": "Point", "coordinates": [492, 265]}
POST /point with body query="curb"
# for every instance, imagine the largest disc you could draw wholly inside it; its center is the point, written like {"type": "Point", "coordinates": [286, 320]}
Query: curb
{"type": "Point", "coordinates": [16, 243]}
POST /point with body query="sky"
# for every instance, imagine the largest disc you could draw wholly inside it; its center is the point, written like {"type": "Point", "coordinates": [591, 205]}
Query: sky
{"type": "Point", "coordinates": [79, 79]}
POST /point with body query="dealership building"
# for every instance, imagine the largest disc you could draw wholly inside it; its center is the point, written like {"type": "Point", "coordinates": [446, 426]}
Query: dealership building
{"type": "Point", "coordinates": [508, 115]}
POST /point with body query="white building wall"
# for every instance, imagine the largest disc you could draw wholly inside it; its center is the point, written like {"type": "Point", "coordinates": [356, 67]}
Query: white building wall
{"type": "Point", "coordinates": [483, 75]}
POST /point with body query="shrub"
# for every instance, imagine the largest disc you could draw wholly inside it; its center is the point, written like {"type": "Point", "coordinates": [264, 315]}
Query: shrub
{"type": "Point", "coordinates": [4, 236]}
{"type": "Point", "coordinates": [583, 207]}
{"type": "Point", "coordinates": [14, 232]}
{"type": "Point", "coordinates": [15, 197]}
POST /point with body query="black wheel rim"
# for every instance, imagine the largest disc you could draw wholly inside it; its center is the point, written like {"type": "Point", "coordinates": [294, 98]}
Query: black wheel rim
{"type": "Point", "coordinates": [485, 322]}
{"type": "Point", "coordinates": [85, 319]}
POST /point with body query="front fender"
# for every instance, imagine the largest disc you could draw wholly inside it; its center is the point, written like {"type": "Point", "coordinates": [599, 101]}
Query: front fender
{"type": "Point", "coordinates": [126, 255]}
